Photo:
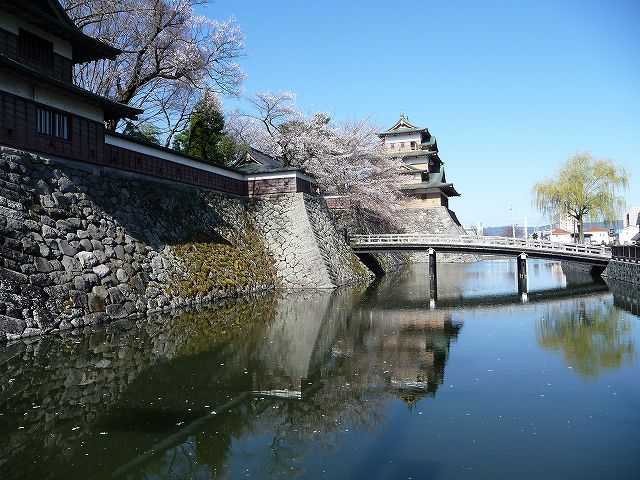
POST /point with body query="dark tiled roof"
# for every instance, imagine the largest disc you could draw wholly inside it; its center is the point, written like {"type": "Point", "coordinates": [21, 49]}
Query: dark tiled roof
{"type": "Point", "coordinates": [436, 181]}
{"type": "Point", "coordinates": [402, 130]}
{"type": "Point", "coordinates": [260, 162]}
{"type": "Point", "coordinates": [112, 110]}
{"type": "Point", "coordinates": [51, 17]}
{"type": "Point", "coordinates": [402, 126]}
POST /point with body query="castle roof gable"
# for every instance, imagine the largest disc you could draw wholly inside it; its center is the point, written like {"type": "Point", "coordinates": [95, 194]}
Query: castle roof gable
{"type": "Point", "coordinates": [402, 126]}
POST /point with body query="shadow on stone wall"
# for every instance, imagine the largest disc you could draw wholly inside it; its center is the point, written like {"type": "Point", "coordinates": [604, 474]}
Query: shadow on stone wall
{"type": "Point", "coordinates": [82, 245]}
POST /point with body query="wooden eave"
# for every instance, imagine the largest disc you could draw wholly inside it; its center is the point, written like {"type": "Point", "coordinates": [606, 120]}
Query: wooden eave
{"type": "Point", "coordinates": [112, 110]}
{"type": "Point", "coordinates": [424, 187]}
{"type": "Point", "coordinates": [85, 48]}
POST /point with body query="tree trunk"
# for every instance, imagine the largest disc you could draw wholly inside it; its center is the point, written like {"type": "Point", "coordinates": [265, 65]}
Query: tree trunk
{"type": "Point", "coordinates": [580, 230]}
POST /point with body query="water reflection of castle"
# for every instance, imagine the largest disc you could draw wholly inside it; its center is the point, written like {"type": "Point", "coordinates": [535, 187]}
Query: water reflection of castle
{"type": "Point", "coordinates": [404, 349]}
{"type": "Point", "coordinates": [408, 349]}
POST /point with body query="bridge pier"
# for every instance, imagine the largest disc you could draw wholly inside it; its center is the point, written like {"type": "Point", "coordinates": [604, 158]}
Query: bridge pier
{"type": "Point", "coordinates": [433, 278]}
{"type": "Point", "coordinates": [523, 283]}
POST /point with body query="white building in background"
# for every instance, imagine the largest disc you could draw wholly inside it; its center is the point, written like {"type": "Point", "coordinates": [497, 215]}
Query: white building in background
{"type": "Point", "coordinates": [631, 226]}
{"type": "Point", "coordinates": [597, 235]}
{"type": "Point", "coordinates": [560, 236]}
{"type": "Point", "coordinates": [568, 223]}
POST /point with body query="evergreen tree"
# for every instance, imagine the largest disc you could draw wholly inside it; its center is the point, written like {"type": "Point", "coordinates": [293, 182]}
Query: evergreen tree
{"type": "Point", "coordinates": [143, 131]}
{"type": "Point", "coordinates": [204, 138]}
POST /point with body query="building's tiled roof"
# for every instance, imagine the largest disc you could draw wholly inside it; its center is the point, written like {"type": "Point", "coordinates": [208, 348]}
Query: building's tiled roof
{"type": "Point", "coordinates": [436, 182]}
{"type": "Point", "coordinates": [51, 17]}
{"type": "Point", "coordinates": [399, 131]}
{"type": "Point", "coordinates": [559, 231]}
{"type": "Point", "coordinates": [596, 229]}
{"type": "Point", "coordinates": [260, 162]}
{"type": "Point", "coordinates": [402, 126]}
{"type": "Point", "coordinates": [112, 110]}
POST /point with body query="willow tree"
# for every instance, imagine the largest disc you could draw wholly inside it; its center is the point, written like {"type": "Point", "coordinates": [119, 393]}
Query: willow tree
{"type": "Point", "coordinates": [585, 187]}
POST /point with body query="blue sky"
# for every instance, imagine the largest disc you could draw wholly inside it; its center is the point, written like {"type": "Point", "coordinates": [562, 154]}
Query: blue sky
{"type": "Point", "coordinates": [509, 89]}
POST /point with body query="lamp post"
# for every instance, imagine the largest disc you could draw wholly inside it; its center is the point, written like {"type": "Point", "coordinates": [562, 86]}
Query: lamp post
{"type": "Point", "coordinates": [513, 227]}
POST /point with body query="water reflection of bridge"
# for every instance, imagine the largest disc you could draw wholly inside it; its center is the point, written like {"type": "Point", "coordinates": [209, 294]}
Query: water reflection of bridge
{"type": "Point", "coordinates": [461, 303]}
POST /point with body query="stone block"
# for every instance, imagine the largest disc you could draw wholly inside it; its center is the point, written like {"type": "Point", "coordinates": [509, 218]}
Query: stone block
{"type": "Point", "coordinates": [96, 318]}
{"type": "Point", "coordinates": [87, 260]}
{"type": "Point", "coordinates": [101, 270]}
{"type": "Point", "coordinates": [119, 252]}
{"type": "Point", "coordinates": [86, 244]}
{"type": "Point", "coordinates": [116, 311]}
{"type": "Point", "coordinates": [115, 295]}
{"type": "Point", "coordinates": [49, 232]}
{"type": "Point", "coordinates": [122, 276]}
{"type": "Point", "coordinates": [42, 265]}
{"type": "Point", "coordinates": [96, 303]}
{"type": "Point", "coordinates": [10, 325]}
{"type": "Point", "coordinates": [66, 249]}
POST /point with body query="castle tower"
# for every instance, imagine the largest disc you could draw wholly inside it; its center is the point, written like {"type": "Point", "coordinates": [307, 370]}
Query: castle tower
{"type": "Point", "coordinates": [425, 182]}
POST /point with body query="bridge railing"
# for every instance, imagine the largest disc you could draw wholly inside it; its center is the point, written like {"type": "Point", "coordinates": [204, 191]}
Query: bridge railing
{"type": "Point", "coordinates": [507, 243]}
{"type": "Point", "coordinates": [626, 253]}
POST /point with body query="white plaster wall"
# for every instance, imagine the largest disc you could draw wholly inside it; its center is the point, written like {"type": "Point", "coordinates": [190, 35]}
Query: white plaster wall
{"type": "Point", "coordinates": [626, 234]}
{"type": "Point", "coordinates": [561, 238]}
{"type": "Point", "coordinates": [11, 23]}
{"type": "Point", "coordinates": [599, 237]}
{"type": "Point", "coordinates": [136, 147]}
{"type": "Point", "coordinates": [29, 90]}
{"type": "Point", "coordinates": [407, 137]}
{"type": "Point", "coordinates": [634, 217]}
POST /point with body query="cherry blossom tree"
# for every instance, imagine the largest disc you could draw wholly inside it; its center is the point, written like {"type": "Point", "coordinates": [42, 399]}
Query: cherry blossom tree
{"type": "Point", "coordinates": [346, 159]}
{"type": "Point", "coordinates": [170, 56]}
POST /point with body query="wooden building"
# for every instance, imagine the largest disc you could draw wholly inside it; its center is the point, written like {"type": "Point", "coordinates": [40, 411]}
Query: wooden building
{"type": "Point", "coordinates": [41, 110]}
{"type": "Point", "coordinates": [426, 184]}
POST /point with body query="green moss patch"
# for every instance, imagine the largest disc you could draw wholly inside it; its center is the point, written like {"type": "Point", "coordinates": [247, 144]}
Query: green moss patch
{"type": "Point", "coordinates": [222, 270]}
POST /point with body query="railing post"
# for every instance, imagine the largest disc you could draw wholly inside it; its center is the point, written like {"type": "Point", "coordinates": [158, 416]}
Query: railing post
{"type": "Point", "coordinates": [433, 278]}
{"type": "Point", "coordinates": [523, 286]}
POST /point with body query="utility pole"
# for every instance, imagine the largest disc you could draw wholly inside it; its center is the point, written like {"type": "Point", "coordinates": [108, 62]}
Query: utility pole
{"type": "Point", "coordinates": [513, 227]}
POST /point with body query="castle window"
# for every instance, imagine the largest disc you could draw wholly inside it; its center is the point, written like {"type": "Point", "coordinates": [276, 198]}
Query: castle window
{"type": "Point", "coordinates": [413, 145]}
{"type": "Point", "coordinates": [54, 124]}
{"type": "Point", "coordinates": [35, 48]}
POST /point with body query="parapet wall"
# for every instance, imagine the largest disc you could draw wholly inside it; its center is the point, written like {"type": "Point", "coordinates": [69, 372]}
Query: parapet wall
{"type": "Point", "coordinates": [83, 244]}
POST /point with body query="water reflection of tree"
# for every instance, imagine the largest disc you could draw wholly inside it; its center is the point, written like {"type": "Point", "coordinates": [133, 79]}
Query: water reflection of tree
{"type": "Point", "coordinates": [592, 336]}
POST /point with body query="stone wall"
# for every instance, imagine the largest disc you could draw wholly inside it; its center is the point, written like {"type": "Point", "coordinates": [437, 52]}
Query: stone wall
{"type": "Point", "coordinates": [307, 248]}
{"type": "Point", "coordinates": [435, 220]}
{"type": "Point", "coordinates": [360, 222]}
{"type": "Point", "coordinates": [83, 244]}
{"type": "Point", "coordinates": [627, 272]}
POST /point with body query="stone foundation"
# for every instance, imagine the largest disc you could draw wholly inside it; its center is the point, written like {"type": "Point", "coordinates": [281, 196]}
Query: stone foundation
{"type": "Point", "coordinates": [307, 248]}
{"type": "Point", "coordinates": [356, 221]}
{"type": "Point", "coordinates": [83, 244]}
{"type": "Point", "coordinates": [627, 272]}
{"type": "Point", "coordinates": [434, 220]}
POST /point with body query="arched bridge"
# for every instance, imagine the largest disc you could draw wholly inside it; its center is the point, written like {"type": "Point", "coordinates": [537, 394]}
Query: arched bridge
{"type": "Point", "coordinates": [590, 254]}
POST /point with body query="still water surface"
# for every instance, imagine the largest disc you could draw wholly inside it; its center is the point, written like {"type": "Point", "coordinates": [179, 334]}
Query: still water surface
{"type": "Point", "coordinates": [368, 383]}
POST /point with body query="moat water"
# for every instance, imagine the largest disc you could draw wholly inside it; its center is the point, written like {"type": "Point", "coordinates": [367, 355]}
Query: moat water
{"type": "Point", "coordinates": [376, 382]}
